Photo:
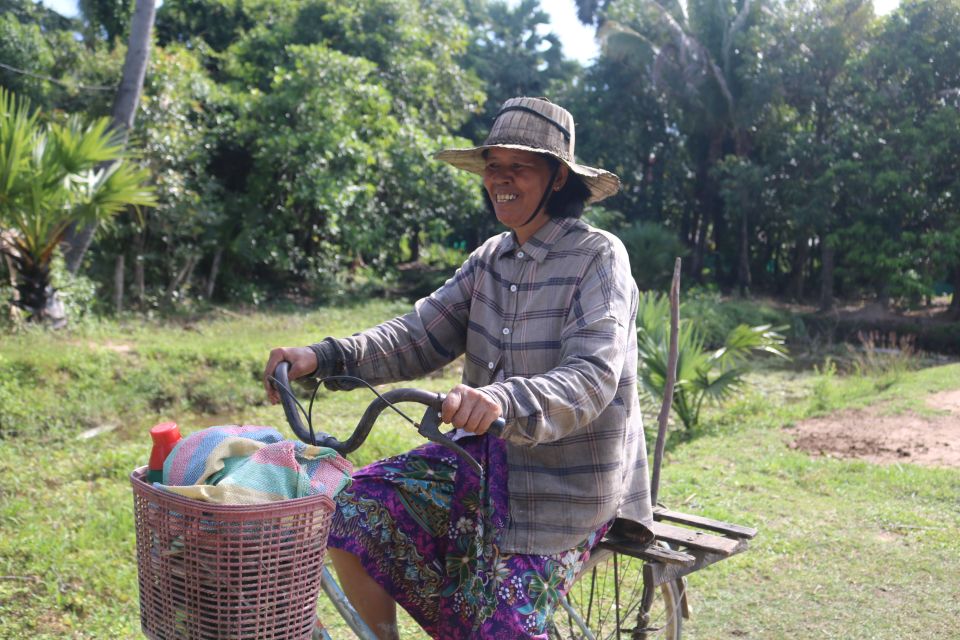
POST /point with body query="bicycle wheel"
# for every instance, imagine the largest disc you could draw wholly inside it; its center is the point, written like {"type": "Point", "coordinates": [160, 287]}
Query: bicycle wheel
{"type": "Point", "coordinates": [607, 598]}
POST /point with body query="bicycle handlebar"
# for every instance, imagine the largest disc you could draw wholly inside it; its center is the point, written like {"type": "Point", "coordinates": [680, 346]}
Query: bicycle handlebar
{"type": "Point", "coordinates": [429, 426]}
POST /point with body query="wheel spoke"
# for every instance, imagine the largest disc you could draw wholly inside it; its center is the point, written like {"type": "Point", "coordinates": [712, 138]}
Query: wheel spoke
{"type": "Point", "coordinates": [608, 596]}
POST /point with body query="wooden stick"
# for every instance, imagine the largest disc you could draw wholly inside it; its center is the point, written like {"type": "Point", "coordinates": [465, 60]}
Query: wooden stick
{"type": "Point", "coordinates": [667, 404]}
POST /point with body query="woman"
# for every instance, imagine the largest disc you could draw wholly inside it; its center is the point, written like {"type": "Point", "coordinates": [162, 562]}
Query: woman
{"type": "Point", "coordinates": [545, 317]}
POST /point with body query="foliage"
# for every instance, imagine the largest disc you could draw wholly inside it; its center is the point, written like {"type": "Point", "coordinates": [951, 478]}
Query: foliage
{"type": "Point", "coordinates": [716, 315]}
{"type": "Point", "coordinates": [108, 19]}
{"type": "Point", "coordinates": [884, 358]}
{"type": "Point", "coordinates": [51, 177]}
{"type": "Point", "coordinates": [513, 54]}
{"type": "Point", "coordinates": [702, 374]}
{"type": "Point", "coordinates": [804, 149]}
{"type": "Point", "coordinates": [653, 250]}
{"type": "Point", "coordinates": [314, 130]}
{"type": "Point", "coordinates": [23, 46]}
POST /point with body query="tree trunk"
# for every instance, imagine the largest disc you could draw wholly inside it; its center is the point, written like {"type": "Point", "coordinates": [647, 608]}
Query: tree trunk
{"type": "Point", "coordinates": [799, 281]}
{"type": "Point", "coordinates": [415, 244]}
{"type": "Point", "coordinates": [954, 310]}
{"type": "Point", "coordinates": [125, 103]}
{"type": "Point", "coordinates": [214, 272]}
{"type": "Point", "coordinates": [33, 289]}
{"type": "Point", "coordinates": [699, 247]}
{"type": "Point", "coordinates": [139, 279]}
{"type": "Point", "coordinates": [826, 274]}
{"type": "Point", "coordinates": [180, 278]}
{"type": "Point", "coordinates": [12, 274]}
{"type": "Point", "coordinates": [743, 268]}
{"type": "Point", "coordinates": [118, 284]}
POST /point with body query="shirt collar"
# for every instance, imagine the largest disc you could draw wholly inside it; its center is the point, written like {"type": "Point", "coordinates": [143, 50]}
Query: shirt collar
{"type": "Point", "coordinates": [540, 243]}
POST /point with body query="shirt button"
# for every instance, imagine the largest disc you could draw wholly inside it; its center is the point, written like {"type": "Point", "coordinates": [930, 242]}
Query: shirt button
{"type": "Point", "coordinates": [513, 287]}
{"type": "Point", "coordinates": [490, 365]}
{"type": "Point", "coordinates": [506, 331]}
{"type": "Point", "coordinates": [520, 254]}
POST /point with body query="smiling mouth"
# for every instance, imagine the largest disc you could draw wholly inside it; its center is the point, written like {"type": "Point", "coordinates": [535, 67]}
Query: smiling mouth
{"type": "Point", "coordinates": [506, 197]}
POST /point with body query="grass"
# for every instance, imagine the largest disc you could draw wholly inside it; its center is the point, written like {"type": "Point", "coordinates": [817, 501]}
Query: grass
{"type": "Point", "coordinates": [846, 549]}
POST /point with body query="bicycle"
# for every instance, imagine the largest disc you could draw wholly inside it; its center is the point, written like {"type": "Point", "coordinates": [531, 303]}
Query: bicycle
{"type": "Point", "coordinates": [631, 586]}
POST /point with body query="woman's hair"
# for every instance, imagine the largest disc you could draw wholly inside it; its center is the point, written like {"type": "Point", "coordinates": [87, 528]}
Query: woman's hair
{"type": "Point", "coordinates": [568, 202]}
{"type": "Point", "coordinates": [571, 199]}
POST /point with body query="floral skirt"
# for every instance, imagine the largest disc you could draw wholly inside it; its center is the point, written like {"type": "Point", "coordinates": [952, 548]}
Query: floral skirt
{"type": "Point", "coordinates": [425, 528]}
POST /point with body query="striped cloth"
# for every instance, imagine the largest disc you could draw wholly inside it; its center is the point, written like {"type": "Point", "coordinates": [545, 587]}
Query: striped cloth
{"type": "Point", "coordinates": [251, 465]}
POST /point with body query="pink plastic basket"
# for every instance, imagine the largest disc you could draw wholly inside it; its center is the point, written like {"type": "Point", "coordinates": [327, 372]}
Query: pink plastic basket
{"type": "Point", "coordinates": [210, 571]}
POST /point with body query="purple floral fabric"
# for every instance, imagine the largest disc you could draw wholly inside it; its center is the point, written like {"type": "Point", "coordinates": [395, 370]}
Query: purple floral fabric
{"type": "Point", "coordinates": [425, 528]}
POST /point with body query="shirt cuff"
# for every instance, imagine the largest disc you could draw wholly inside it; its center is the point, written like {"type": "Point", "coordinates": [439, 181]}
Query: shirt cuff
{"type": "Point", "coordinates": [329, 359]}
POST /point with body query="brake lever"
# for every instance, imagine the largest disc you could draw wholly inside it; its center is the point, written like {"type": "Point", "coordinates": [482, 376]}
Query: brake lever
{"type": "Point", "coordinates": [429, 428]}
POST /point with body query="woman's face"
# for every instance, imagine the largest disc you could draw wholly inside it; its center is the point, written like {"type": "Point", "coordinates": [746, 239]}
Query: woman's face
{"type": "Point", "coordinates": [515, 181]}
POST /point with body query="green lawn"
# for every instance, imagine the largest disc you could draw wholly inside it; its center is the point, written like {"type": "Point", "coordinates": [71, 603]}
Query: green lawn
{"type": "Point", "coordinates": [846, 549]}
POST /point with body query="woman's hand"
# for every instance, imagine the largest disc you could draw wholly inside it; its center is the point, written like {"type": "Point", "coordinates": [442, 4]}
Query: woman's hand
{"type": "Point", "coordinates": [303, 362]}
{"type": "Point", "coordinates": [469, 409]}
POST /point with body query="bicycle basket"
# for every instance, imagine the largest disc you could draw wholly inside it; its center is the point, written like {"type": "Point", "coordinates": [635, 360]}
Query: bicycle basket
{"type": "Point", "coordinates": [210, 571]}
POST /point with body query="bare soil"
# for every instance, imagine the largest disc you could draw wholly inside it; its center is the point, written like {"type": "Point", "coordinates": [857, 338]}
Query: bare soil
{"type": "Point", "coordinates": [868, 434]}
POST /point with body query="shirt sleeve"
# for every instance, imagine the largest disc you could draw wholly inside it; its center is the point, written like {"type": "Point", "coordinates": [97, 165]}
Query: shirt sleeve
{"type": "Point", "coordinates": [409, 346]}
{"type": "Point", "coordinates": [549, 406]}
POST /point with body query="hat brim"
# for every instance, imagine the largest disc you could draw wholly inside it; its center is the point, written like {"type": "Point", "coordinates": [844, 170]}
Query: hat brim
{"type": "Point", "coordinates": [602, 184]}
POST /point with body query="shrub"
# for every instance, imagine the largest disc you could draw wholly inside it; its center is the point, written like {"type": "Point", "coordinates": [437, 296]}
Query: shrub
{"type": "Point", "coordinates": [702, 374]}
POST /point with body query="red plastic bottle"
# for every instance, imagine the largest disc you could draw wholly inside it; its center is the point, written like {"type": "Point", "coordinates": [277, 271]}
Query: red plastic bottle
{"type": "Point", "coordinates": [165, 437]}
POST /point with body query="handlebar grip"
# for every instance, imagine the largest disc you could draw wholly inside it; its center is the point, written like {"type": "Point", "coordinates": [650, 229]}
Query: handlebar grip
{"type": "Point", "coordinates": [282, 385]}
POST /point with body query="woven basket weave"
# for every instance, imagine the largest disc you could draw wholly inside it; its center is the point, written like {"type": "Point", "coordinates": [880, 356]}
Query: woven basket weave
{"type": "Point", "coordinates": [219, 572]}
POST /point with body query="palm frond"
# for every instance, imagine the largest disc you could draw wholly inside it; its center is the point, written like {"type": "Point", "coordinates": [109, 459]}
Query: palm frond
{"type": "Point", "coordinates": [626, 45]}
{"type": "Point", "coordinates": [18, 132]}
{"type": "Point", "coordinates": [702, 375]}
{"type": "Point", "coordinates": [101, 193]}
{"type": "Point", "coordinates": [722, 386]}
{"type": "Point", "coordinates": [77, 146]}
{"type": "Point", "coordinates": [743, 340]}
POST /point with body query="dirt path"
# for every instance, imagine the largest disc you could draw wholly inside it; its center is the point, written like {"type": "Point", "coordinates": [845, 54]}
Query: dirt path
{"type": "Point", "coordinates": [868, 435]}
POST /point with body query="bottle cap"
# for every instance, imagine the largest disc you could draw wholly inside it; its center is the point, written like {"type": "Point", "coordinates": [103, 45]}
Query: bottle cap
{"type": "Point", "coordinates": [165, 436]}
{"type": "Point", "coordinates": [165, 433]}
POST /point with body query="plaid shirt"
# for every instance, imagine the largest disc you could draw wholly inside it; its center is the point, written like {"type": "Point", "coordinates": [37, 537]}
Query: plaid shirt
{"type": "Point", "coordinates": [548, 330]}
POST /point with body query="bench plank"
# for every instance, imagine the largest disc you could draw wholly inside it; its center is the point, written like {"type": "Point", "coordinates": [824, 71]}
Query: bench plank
{"type": "Point", "coordinates": [650, 553]}
{"type": "Point", "coordinates": [725, 528]}
{"type": "Point", "coordinates": [697, 539]}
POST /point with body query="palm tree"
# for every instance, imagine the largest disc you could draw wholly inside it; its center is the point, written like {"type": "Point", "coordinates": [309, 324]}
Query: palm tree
{"type": "Point", "coordinates": [702, 374]}
{"type": "Point", "coordinates": [49, 179]}
{"type": "Point", "coordinates": [694, 55]}
{"type": "Point", "coordinates": [79, 236]}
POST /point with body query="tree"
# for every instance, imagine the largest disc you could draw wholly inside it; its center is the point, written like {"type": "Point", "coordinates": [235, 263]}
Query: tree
{"type": "Point", "coordinates": [512, 57]}
{"type": "Point", "coordinates": [905, 142]}
{"type": "Point", "coordinates": [124, 110]}
{"type": "Point", "coordinates": [22, 46]}
{"type": "Point", "coordinates": [819, 43]}
{"type": "Point", "coordinates": [705, 60]}
{"type": "Point", "coordinates": [52, 176]}
{"type": "Point", "coordinates": [107, 18]}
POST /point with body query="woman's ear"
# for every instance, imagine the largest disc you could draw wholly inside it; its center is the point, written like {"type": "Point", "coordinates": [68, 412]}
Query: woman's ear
{"type": "Point", "coordinates": [562, 174]}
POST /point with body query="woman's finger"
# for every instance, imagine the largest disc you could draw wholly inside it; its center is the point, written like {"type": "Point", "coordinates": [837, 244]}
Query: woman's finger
{"type": "Point", "coordinates": [451, 405]}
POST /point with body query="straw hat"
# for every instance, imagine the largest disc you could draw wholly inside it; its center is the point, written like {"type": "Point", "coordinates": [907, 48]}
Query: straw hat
{"type": "Point", "coordinates": [537, 125]}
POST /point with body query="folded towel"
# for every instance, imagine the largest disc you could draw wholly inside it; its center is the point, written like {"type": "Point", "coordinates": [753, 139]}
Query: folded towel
{"type": "Point", "coordinates": [250, 465]}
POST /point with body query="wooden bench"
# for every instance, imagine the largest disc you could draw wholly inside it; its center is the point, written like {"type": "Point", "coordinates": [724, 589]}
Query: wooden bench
{"type": "Point", "coordinates": [682, 543]}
